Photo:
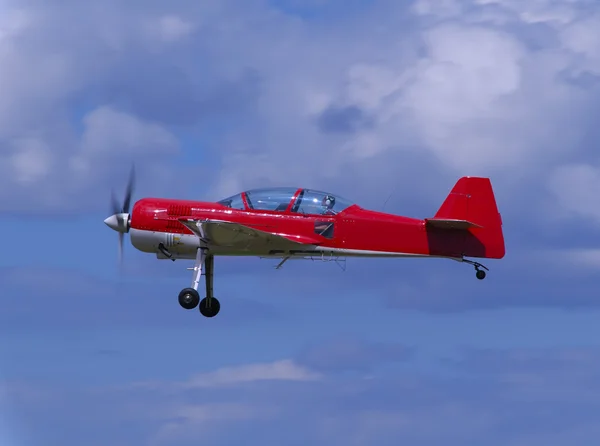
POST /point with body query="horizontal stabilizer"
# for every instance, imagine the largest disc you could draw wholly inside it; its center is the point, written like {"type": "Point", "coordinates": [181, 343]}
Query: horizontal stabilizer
{"type": "Point", "coordinates": [446, 223]}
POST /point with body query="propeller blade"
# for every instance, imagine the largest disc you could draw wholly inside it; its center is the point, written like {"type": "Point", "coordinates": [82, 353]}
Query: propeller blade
{"type": "Point", "coordinates": [119, 220]}
{"type": "Point", "coordinates": [121, 249]}
{"type": "Point", "coordinates": [115, 207]}
{"type": "Point", "coordinates": [129, 191]}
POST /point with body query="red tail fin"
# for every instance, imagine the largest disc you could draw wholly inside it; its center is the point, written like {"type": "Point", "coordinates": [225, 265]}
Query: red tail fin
{"type": "Point", "coordinates": [471, 207]}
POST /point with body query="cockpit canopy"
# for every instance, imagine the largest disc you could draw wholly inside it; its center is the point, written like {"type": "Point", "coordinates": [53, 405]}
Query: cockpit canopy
{"type": "Point", "coordinates": [282, 199]}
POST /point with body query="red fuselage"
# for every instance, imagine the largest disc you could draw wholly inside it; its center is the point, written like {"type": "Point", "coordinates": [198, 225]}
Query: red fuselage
{"type": "Point", "coordinates": [287, 222]}
{"type": "Point", "coordinates": [352, 232]}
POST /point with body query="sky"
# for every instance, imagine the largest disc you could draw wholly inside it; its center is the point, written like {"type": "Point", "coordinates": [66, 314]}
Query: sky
{"type": "Point", "coordinates": [384, 102]}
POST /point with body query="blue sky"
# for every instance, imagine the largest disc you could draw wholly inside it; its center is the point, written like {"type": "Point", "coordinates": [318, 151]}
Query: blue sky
{"type": "Point", "coordinates": [363, 98]}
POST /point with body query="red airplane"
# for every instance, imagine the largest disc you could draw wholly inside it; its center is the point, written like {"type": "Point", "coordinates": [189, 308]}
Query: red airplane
{"type": "Point", "coordinates": [291, 222]}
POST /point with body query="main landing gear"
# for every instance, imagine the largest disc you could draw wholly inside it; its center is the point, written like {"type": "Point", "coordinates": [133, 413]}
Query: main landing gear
{"type": "Point", "coordinates": [189, 297]}
{"type": "Point", "coordinates": [479, 273]}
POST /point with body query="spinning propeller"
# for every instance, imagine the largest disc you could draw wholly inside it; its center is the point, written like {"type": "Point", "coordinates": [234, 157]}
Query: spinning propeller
{"type": "Point", "coordinates": [120, 220]}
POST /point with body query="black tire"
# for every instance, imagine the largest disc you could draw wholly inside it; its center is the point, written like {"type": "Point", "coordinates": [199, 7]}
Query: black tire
{"type": "Point", "coordinates": [480, 274]}
{"type": "Point", "coordinates": [189, 298]}
{"type": "Point", "coordinates": [215, 307]}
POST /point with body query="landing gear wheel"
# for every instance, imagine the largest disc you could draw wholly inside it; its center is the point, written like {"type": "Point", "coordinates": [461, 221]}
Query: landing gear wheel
{"type": "Point", "coordinates": [189, 298]}
{"type": "Point", "coordinates": [479, 273]}
{"type": "Point", "coordinates": [211, 311]}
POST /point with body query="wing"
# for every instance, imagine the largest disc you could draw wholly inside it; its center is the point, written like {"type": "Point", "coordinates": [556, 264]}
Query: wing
{"type": "Point", "coordinates": [225, 234]}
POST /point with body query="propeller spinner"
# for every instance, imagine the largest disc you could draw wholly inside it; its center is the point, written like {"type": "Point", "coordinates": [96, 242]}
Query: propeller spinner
{"type": "Point", "coordinates": [120, 220]}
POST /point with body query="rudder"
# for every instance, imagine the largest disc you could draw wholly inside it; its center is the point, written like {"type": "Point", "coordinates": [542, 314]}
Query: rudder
{"type": "Point", "coordinates": [471, 206]}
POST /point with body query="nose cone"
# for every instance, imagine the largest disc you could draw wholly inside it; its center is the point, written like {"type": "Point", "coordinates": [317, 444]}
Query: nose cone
{"type": "Point", "coordinates": [112, 222]}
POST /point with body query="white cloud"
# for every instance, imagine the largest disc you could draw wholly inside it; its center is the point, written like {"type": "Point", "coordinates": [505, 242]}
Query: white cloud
{"type": "Point", "coordinates": [575, 188]}
{"type": "Point", "coordinates": [582, 37]}
{"type": "Point", "coordinates": [31, 160]}
{"type": "Point", "coordinates": [556, 12]}
{"type": "Point", "coordinates": [479, 397]}
{"type": "Point", "coordinates": [444, 8]}
{"type": "Point", "coordinates": [108, 131]}
{"type": "Point", "coordinates": [460, 97]}
{"type": "Point", "coordinates": [477, 85]}
{"type": "Point", "coordinates": [43, 75]}
{"type": "Point", "coordinates": [215, 412]}
{"type": "Point", "coordinates": [108, 135]}
{"type": "Point", "coordinates": [369, 86]}
{"type": "Point", "coordinates": [167, 28]}
{"type": "Point", "coordinates": [13, 22]}
{"type": "Point", "coordinates": [283, 370]}
{"type": "Point", "coordinates": [173, 27]}
{"type": "Point", "coordinates": [577, 258]}
{"type": "Point", "coordinates": [192, 417]}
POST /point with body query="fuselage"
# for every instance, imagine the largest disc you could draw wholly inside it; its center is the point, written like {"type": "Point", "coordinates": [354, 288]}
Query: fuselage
{"type": "Point", "coordinates": [352, 232]}
{"type": "Point", "coordinates": [288, 222]}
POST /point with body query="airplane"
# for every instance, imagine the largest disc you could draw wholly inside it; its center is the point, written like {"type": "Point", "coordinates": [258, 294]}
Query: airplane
{"type": "Point", "coordinates": [299, 223]}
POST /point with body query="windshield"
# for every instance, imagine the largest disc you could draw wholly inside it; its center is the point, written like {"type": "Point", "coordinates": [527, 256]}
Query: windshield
{"type": "Point", "coordinates": [278, 199]}
{"type": "Point", "coordinates": [271, 199]}
{"type": "Point", "coordinates": [234, 202]}
{"type": "Point", "coordinates": [321, 203]}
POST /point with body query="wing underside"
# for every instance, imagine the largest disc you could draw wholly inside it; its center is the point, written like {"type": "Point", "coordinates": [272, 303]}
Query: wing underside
{"type": "Point", "coordinates": [225, 234]}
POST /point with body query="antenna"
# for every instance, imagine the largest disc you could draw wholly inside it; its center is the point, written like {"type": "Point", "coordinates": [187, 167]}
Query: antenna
{"type": "Point", "coordinates": [387, 199]}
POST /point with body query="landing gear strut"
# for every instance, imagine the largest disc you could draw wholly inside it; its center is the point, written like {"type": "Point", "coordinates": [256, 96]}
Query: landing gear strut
{"type": "Point", "coordinates": [210, 305]}
{"type": "Point", "coordinates": [189, 297]}
{"type": "Point", "coordinates": [479, 273]}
